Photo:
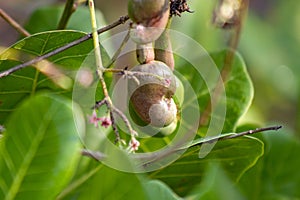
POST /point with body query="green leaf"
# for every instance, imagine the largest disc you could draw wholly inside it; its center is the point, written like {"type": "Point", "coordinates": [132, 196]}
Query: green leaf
{"type": "Point", "coordinates": [103, 182]}
{"type": "Point", "coordinates": [45, 42]}
{"type": "Point", "coordinates": [236, 156]}
{"type": "Point", "coordinates": [238, 87]}
{"type": "Point", "coordinates": [156, 189]}
{"type": "Point", "coordinates": [216, 185]}
{"type": "Point", "coordinates": [47, 18]}
{"type": "Point", "coordinates": [13, 89]}
{"type": "Point", "coordinates": [62, 68]}
{"type": "Point", "coordinates": [40, 148]}
{"type": "Point", "coordinates": [277, 175]}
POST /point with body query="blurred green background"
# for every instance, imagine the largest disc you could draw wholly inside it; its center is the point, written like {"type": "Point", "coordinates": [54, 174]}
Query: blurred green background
{"type": "Point", "coordinates": [269, 43]}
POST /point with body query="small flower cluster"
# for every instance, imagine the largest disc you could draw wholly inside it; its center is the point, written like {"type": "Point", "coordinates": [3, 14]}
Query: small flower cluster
{"type": "Point", "coordinates": [133, 143]}
{"type": "Point", "coordinates": [106, 122]}
{"type": "Point", "coordinates": [94, 119]}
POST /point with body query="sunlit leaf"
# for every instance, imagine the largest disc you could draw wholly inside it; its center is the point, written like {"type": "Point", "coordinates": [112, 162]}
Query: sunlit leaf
{"type": "Point", "coordinates": [57, 75]}
{"type": "Point", "coordinates": [40, 148]}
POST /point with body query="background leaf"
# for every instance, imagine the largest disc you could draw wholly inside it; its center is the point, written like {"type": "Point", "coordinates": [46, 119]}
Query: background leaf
{"type": "Point", "coordinates": [156, 189]}
{"type": "Point", "coordinates": [238, 87]}
{"type": "Point", "coordinates": [239, 90]}
{"type": "Point", "coordinates": [216, 185]}
{"type": "Point", "coordinates": [276, 174]}
{"type": "Point", "coordinates": [40, 148]}
{"type": "Point", "coordinates": [47, 18]}
{"type": "Point", "coordinates": [102, 182]}
{"type": "Point", "coordinates": [236, 156]}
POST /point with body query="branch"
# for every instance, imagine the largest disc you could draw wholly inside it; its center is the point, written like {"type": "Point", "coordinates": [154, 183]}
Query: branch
{"type": "Point", "coordinates": [115, 128]}
{"type": "Point", "coordinates": [93, 154]}
{"type": "Point", "coordinates": [70, 7]}
{"type": "Point", "coordinates": [249, 132]}
{"type": "Point", "coordinates": [98, 156]}
{"type": "Point", "coordinates": [13, 23]}
{"type": "Point", "coordinates": [121, 20]}
{"type": "Point", "coordinates": [126, 121]}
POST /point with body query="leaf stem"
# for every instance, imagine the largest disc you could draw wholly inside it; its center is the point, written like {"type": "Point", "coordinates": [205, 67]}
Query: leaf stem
{"type": "Point", "coordinates": [100, 68]}
{"type": "Point", "coordinates": [96, 39]}
{"type": "Point", "coordinates": [100, 71]}
{"type": "Point", "coordinates": [70, 7]}
{"type": "Point", "coordinates": [121, 20]}
{"type": "Point", "coordinates": [13, 23]}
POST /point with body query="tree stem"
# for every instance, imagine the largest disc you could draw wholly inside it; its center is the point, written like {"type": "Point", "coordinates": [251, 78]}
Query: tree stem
{"type": "Point", "coordinates": [13, 23]}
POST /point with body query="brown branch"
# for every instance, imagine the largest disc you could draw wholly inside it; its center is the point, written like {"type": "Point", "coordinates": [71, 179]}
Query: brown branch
{"type": "Point", "coordinates": [240, 134]}
{"type": "Point", "coordinates": [155, 157]}
{"type": "Point", "coordinates": [93, 154]}
{"type": "Point", "coordinates": [115, 128]}
{"type": "Point", "coordinates": [121, 20]}
{"type": "Point", "coordinates": [13, 23]}
{"type": "Point", "coordinates": [250, 132]}
{"type": "Point", "coordinates": [125, 120]}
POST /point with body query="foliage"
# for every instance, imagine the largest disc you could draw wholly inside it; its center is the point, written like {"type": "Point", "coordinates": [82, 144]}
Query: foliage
{"type": "Point", "coordinates": [39, 154]}
{"type": "Point", "coordinates": [46, 127]}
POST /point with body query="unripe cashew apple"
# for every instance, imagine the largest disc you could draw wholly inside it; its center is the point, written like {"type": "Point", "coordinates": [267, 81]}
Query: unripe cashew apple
{"type": "Point", "coordinates": [152, 98]}
{"type": "Point", "coordinates": [150, 17]}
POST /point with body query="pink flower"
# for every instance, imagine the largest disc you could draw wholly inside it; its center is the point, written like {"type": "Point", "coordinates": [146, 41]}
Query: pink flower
{"type": "Point", "coordinates": [133, 145]}
{"type": "Point", "coordinates": [93, 119]}
{"type": "Point", "coordinates": [105, 121]}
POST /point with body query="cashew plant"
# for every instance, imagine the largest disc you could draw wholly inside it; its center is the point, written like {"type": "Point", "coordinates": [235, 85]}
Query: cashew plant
{"type": "Point", "coordinates": [75, 124]}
